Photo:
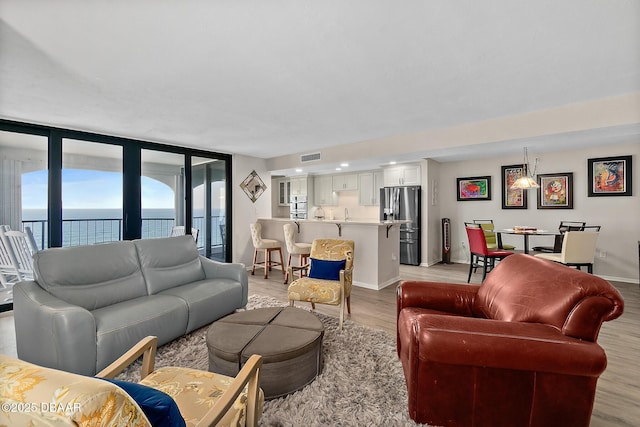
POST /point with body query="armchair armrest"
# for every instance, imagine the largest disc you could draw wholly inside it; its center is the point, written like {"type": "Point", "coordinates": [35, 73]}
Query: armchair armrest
{"type": "Point", "coordinates": [248, 376]}
{"type": "Point", "coordinates": [49, 330]}
{"type": "Point", "coordinates": [447, 297]}
{"type": "Point", "coordinates": [146, 348]}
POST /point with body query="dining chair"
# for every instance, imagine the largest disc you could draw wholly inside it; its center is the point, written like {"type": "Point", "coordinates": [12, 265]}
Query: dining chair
{"type": "Point", "coordinates": [562, 228]}
{"type": "Point", "coordinates": [302, 250]}
{"type": "Point", "coordinates": [330, 276]}
{"type": "Point", "coordinates": [494, 240]}
{"type": "Point", "coordinates": [481, 256]}
{"type": "Point", "coordinates": [578, 249]}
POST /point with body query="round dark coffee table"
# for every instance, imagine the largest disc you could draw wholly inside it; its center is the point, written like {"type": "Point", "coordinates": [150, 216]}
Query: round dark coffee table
{"type": "Point", "coordinates": [289, 340]}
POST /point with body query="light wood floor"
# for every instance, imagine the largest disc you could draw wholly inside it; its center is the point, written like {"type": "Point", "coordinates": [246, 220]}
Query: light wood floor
{"type": "Point", "coordinates": [618, 392]}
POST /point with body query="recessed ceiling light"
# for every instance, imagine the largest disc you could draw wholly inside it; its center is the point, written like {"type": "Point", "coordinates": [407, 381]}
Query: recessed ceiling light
{"type": "Point", "coordinates": [392, 162]}
{"type": "Point", "coordinates": [298, 170]}
{"type": "Point", "coordinates": [344, 165]}
{"type": "Point", "coordinates": [338, 169]}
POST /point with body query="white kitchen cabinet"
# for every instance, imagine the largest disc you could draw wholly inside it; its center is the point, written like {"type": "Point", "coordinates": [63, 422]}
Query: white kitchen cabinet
{"type": "Point", "coordinates": [345, 182]}
{"type": "Point", "coordinates": [299, 185]}
{"type": "Point", "coordinates": [323, 191]}
{"type": "Point", "coordinates": [284, 191]}
{"type": "Point", "coordinates": [402, 175]}
{"type": "Point", "coordinates": [369, 184]}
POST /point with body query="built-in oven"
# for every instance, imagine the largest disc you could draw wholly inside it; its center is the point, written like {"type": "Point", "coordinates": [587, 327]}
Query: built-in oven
{"type": "Point", "coordinates": [298, 207]}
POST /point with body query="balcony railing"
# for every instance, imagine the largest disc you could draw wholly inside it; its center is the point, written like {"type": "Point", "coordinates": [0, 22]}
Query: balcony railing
{"type": "Point", "coordinates": [77, 232]}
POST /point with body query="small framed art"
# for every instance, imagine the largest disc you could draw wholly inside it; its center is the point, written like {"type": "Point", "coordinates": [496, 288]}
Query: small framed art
{"type": "Point", "coordinates": [556, 190]}
{"type": "Point", "coordinates": [474, 188]}
{"type": "Point", "coordinates": [515, 198]}
{"type": "Point", "coordinates": [610, 176]}
{"type": "Point", "coordinates": [253, 186]}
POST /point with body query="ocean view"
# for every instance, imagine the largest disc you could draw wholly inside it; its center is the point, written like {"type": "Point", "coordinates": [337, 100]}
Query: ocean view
{"type": "Point", "coordinates": [91, 226]}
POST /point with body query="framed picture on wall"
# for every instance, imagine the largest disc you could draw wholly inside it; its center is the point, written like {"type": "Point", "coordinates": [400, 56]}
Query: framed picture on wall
{"type": "Point", "coordinates": [513, 198]}
{"type": "Point", "coordinates": [610, 176]}
{"type": "Point", "coordinates": [556, 191]}
{"type": "Point", "coordinates": [474, 188]}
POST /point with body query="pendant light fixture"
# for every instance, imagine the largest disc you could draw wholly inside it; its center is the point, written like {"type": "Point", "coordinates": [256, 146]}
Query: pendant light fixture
{"type": "Point", "coordinates": [526, 181]}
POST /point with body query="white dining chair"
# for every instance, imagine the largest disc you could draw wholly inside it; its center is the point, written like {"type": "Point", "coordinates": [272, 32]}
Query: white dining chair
{"type": "Point", "coordinates": [578, 249]}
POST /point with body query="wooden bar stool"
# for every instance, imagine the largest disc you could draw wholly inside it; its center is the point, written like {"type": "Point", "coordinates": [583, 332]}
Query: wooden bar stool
{"type": "Point", "coordinates": [301, 249]}
{"type": "Point", "coordinates": [266, 245]}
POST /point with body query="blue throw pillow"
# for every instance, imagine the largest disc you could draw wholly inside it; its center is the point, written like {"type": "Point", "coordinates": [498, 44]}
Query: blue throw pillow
{"type": "Point", "coordinates": [158, 406]}
{"type": "Point", "coordinates": [327, 270]}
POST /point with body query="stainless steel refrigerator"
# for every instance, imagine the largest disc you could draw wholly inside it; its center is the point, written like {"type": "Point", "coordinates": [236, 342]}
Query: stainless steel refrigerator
{"type": "Point", "coordinates": [403, 203]}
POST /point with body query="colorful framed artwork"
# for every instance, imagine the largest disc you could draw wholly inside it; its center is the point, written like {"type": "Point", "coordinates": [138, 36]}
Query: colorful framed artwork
{"type": "Point", "coordinates": [474, 188]}
{"type": "Point", "coordinates": [556, 190]}
{"type": "Point", "coordinates": [513, 198]}
{"type": "Point", "coordinates": [253, 186]}
{"type": "Point", "coordinates": [610, 176]}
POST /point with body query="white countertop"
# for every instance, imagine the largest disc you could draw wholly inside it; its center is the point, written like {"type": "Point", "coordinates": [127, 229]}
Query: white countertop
{"type": "Point", "coordinates": [354, 221]}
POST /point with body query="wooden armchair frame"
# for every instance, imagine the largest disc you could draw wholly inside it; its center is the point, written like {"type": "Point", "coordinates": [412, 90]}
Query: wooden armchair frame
{"type": "Point", "coordinates": [248, 376]}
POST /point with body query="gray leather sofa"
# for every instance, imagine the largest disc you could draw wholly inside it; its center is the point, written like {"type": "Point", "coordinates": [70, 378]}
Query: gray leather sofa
{"type": "Point", "coordinates": [89, 304]}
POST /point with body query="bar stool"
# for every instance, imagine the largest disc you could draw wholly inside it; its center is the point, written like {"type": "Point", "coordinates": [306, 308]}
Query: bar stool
{"type": "Point", "coordinates": [301, 249]}
{"type": "Point", "coordinates": [266, 245]}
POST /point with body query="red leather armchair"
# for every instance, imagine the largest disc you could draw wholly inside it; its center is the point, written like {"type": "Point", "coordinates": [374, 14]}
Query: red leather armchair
{"type": "Point", "coordinates": [518, 350]}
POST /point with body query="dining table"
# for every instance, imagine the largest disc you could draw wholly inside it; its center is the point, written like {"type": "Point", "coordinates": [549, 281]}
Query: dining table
{"type": "Point", "coordinates": [526, 233]}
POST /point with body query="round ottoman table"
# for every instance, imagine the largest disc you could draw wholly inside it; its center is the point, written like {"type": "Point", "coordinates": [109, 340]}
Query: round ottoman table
{"type": "Point", "coordinates": [289, 340]}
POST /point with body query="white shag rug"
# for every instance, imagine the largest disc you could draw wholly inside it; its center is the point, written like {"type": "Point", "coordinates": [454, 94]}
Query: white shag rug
{"type": "Point", "coordinates": [361, 383]}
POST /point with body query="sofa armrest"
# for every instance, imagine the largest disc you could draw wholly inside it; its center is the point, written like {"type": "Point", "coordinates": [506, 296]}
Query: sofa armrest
{"type": "Point", "coordinates": [49, 331]}
{"type": "Point", "coordinates": [446, 297]}
{"type": "Point", "coordinates": [223, 270]}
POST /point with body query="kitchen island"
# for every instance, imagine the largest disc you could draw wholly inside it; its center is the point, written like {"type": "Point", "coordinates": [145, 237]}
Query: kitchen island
{"type": "Point", "coordinates": [377, 244]}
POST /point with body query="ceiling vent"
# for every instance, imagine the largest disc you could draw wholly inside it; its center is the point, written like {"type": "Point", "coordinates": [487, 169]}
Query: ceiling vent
{"type": "Point", "coordinates": [309, 157]}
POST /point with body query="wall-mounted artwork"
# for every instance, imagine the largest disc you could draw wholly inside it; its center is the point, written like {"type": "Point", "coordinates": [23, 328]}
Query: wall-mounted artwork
{"type": "Point", "coordinates": [474, 188]}
{"type": "Point", "coordinates": [515, 198]}
{"type": "Point", "coordinates": [610, 176]}
{"type": "Point", "coordinates": [556, 191]}
{"type": "Point", "coordinates": [253, 186]}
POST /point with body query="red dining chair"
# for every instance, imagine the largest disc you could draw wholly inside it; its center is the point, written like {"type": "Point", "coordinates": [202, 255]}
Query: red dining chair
{"type": "Point", "coordinates": [480, 255]}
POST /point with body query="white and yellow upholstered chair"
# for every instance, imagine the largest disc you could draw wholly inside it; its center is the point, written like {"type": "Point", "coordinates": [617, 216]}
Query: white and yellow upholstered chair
{"type": "Point", "coordinates": [330, 276]}
{"type": "Point", "coordinates": [302, 250]}
{"type": "Point", "coordinates": [58, 398]}
{"type": "Point", "coordinates": [267, 246]}
{"type": "Point", "coordinates": [578, 249]}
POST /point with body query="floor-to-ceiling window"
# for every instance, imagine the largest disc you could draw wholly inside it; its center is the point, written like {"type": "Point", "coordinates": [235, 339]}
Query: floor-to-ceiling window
{"type": "Point", "coordinates": [83, 188]}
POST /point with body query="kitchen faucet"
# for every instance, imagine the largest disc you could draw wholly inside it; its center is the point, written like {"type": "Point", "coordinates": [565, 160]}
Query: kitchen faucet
{"type": "Point", "coordinates": [346, 214]}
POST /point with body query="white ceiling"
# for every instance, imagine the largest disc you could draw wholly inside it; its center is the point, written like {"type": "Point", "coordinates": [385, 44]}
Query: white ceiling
{"type": "Point", "coordinates": [275, 78]}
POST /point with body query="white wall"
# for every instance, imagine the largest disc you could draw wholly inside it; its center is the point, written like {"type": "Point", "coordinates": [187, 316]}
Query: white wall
{"type": "Point", "coordinates": [618, 216]}
{"type": "Point", "coordinates": [244, 210]}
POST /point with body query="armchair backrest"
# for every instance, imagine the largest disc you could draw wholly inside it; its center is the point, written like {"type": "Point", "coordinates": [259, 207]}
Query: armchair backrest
{"type": "Point", "coordinates": [333, 250]}
{"type": "Point", "coordinates": [523, 288]}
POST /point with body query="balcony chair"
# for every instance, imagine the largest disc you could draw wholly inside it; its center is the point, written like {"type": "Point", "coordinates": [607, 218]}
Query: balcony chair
{"type": "Point", "coordinates": [267, 246]}
{"type": "Point", "coordinates": [295, 248]}
{"type": "Point", "coordinates": [179, 230]}
{"type": "Point", "coordinates": [16, 257]}
{"type": "Point", "coordinates": [481, 256]}
{"type": "Point", "coordinates": [330, 276]}
{"type": "Point", "coordinates": [578, 249]}
{"type": "Point", "coordinates": [562, 228]}
{"type": "Point", "coordinates": [519, 350]}
{"type": "Point", "coordinates": [174, 394]}
{"type": "Point", "coordinates": [493, 239]}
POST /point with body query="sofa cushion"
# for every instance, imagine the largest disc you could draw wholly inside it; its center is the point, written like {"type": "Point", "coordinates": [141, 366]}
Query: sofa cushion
{"type": "Point", "coordinates": [91, 276]}
{"type": "Point", "coordinates": [122, 325]}
{"type": "Point", "coordinates": [523, 288]}
{"type": "Point", "coordinates": [207, 300]}
{"type": "Point", "coordinates": [169, 262]}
